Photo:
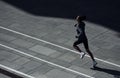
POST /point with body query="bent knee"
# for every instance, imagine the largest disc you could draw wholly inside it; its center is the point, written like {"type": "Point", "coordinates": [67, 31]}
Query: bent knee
{"type": "Point", "coordinates": [74, 45]}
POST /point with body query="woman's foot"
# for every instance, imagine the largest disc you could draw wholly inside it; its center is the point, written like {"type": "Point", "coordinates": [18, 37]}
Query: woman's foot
{"type": "Point", "coordinates": [82, 54]}
{"type": "Point", "coordinates": [94, 64]}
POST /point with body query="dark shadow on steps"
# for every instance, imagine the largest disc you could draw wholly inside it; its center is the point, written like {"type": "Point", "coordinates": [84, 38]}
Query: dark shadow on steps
{"type": "Point", "coordinates": [115, 73]}
{"type": "Point", "coordinates": [9, 74]}
{"type": "Point", "coordinates": [103, 12]}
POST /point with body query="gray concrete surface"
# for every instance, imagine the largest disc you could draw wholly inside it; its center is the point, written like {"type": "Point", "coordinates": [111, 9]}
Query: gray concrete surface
{"type": "Point", "coordinates": [103, 42]}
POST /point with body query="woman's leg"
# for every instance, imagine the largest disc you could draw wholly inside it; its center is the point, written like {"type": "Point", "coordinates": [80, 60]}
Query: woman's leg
{"type": "Point", "coordinates": [82, 54]}
{"type": "Point", "coordinates": [88, 50]}
{"type": "Point", "coordinates": [90, 53]}
{"type": "Point", "coordinates": [76, 47]}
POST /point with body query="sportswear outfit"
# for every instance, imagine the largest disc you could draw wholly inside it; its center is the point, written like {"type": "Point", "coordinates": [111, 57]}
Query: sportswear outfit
{"type": "Point", "coordinates": [80, 28]}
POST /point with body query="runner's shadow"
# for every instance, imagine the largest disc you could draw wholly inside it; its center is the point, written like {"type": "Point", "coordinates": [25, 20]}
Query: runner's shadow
{"type": "Point", "coordinates": [115, 73]}
{"type": "Point", "coordinates": [9, 74]}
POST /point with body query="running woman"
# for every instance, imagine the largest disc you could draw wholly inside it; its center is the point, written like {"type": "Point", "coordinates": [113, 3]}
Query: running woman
{"type": "Point", "coordinates": [82, 38]}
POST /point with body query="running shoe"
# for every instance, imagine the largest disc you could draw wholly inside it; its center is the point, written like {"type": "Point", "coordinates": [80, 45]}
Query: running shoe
{"type": "Point", "coordinates": [82, 54]}
{"type": "Point", "coordinates": [94, 64]}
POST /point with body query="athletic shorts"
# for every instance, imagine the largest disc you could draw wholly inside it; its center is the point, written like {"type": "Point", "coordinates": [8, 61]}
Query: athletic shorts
{"type": "Point", "coordinates": [82, 40]}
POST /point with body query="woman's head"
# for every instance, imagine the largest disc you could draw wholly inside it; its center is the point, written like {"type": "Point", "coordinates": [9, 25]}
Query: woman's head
{"type": "Point", "coordinates": [80, 18]}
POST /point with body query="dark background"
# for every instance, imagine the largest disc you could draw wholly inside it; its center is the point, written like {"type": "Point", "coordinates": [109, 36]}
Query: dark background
{"type": "Point", "coordinates": [103, 12]}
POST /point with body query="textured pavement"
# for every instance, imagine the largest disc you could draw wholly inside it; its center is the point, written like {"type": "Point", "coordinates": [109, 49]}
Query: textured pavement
{"type": "Point", "coordinates": [104, 44]}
